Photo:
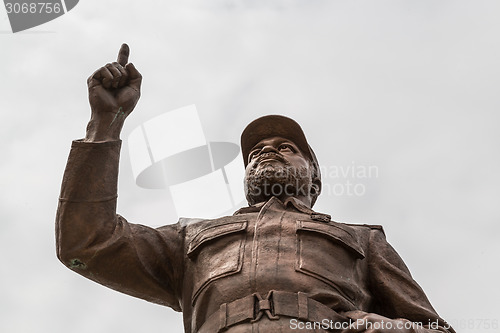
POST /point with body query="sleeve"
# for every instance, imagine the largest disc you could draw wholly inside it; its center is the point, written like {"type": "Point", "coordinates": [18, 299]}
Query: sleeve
{"type": "Point", "coordinates": [397, 295]}
{"type": "Point", "coordinates": [94, 241]}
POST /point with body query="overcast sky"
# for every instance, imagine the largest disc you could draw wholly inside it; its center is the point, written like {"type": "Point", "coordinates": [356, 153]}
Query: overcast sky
{"type": "Point", "coordinates": [410, 88]}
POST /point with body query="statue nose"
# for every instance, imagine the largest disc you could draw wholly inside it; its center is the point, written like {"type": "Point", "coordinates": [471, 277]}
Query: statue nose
{"type": "Point", "coordinates": [269, 148]}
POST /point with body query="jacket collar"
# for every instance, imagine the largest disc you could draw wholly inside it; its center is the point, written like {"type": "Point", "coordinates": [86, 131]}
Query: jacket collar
{"type": "Point", "coordinates": [293, 203]}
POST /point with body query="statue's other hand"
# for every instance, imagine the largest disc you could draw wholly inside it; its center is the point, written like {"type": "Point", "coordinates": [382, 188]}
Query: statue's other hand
{"type": "Point", "coordinates": [115, 87]}
{"type": "Point", "coordinates": [363, 322]}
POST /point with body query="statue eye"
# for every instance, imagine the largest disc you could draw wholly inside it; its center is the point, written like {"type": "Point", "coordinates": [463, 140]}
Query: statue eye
{"type": "Point", "coordinates": [286, 146]}
{"type": "Point", "coordinates": [252, 154]}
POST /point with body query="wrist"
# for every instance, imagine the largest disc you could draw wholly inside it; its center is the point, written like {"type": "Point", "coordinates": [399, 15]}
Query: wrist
{"type": "Point", "coordinates": [104, 128]}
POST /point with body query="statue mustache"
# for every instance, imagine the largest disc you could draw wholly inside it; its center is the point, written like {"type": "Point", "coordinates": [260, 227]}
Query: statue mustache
{"type": "Point", "coordinates": [275, 156]}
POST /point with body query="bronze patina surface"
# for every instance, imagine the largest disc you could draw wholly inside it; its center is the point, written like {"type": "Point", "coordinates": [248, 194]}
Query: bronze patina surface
{"type": "Point", "coordinates": [274, 266]}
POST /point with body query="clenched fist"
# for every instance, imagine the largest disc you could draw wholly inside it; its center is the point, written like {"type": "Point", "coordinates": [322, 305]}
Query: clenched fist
{"type": "Point", "coordinates": [114, 90]}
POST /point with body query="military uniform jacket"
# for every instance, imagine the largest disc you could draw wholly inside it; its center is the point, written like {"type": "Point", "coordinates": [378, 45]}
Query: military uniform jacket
{"type": "Point", "coordinates": [250, 272]}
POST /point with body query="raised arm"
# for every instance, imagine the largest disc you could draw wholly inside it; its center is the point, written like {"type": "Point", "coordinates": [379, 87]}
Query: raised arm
{"type": "Point", "coordinates": [91, 238]}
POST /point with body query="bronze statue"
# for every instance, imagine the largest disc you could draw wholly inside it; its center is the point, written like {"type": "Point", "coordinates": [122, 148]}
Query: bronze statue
{"type": "Point", "coordinates": [274, 266]}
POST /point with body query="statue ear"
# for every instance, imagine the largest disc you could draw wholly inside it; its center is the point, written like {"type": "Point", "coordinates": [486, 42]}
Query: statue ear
{"type": "Point", "coordinates": [316, 187]}
{"type": "Point", "coordinates": [315, 190]}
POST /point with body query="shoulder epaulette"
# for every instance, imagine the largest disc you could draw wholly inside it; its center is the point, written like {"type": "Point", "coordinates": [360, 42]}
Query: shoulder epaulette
{"type": "Point", "coordinates": [371, 226]}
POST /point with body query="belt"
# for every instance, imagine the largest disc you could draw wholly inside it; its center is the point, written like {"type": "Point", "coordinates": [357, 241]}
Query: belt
{"type": "Point", "coordinates": [277, 303]}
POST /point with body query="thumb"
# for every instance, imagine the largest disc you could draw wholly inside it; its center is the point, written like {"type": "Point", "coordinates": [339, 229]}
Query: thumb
{"type": "Point", "coordinates": [355, 314]}
{"type": "Point", "coordinates": [135, 78]}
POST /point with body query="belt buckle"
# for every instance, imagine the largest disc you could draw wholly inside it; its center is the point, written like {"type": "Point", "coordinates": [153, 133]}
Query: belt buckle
{"type": "Point", "coordinates": [263, 305]}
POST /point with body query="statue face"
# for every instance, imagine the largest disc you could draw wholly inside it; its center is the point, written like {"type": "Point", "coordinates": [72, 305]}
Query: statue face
{"type": "Point", "coordinates": [277, 168]}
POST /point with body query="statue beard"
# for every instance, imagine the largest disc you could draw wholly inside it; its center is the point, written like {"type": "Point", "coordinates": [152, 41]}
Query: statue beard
{"type": "Point", "coordinates": [279, 180]}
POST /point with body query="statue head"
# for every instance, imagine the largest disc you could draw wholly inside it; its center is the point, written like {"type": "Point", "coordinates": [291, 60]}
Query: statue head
{"type": "Point", "coordinates": [278, 161]}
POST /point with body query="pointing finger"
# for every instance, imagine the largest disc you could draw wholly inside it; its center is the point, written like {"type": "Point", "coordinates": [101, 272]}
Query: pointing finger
{"type": "Point", "coordinates": [123, 54]}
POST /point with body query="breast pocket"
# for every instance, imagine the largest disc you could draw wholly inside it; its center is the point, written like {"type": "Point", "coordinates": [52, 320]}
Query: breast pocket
{"type": "Point", "coordinates": [216, 251]}
{"type": "Point", "coordinates": [329, 253]}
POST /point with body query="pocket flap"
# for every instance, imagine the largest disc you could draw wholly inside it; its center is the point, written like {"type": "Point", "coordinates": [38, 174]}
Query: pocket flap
{"type": "Point", "coordinates": [336, 233]}
{"type": "Point", "coordinates": [212, 232]}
